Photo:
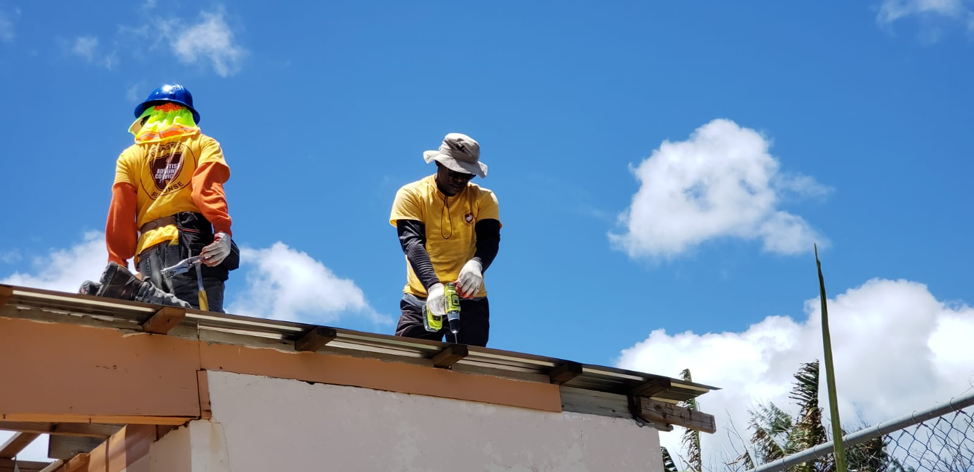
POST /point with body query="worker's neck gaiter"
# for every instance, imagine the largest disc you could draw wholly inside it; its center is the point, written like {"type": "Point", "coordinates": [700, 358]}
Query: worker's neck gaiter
{"type": "Point", "coordinates": [166, 121]}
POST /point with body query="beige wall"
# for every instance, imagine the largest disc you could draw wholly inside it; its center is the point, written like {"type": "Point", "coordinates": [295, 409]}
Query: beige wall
{"type": "Point", "coordinates": [196, 447]}
{"type": "Point", "coordinates": [276, 424]}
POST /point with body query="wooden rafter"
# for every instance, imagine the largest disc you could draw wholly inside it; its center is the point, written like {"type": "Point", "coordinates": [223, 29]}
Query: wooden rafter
{"type": "Point", "coordinates": [451, 355]}
{"type": "Point", "coordinates": [651, 387]}
{"type": "Point", "coordinates": [7, 465]}
{"type": "Point", "coordinates": [316, 338]}
{"type": "Point", "coordinates": [564, 372]}
{"type": "Point", "coordinates": [15, 444]}
{"type": "Point", "coordinates": [164, 320]}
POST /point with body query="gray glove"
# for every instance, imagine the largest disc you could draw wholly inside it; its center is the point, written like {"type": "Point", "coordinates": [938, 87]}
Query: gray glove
{"type": "Point", "coordinates": [217, 251]}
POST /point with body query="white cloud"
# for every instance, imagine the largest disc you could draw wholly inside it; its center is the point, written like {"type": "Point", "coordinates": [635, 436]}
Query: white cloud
{"type": "Point", "coordinates": [7, 25]}
{"type": "Point", "coordinates": [897, 349]}
{"type": "Point", "coordinates": [282, 283]}
{"type": "Point", "coordinates": [950, 11]}
{"type": "Point", "coordinates": [10, 257]}
{"type": "Point", "coordinates": [211, 39]}
{"type": "Point", "coordinates": [132, 93]}
{"type": "Point", "coordinates": [65, 269]}
{"type": "Point", "coordinates": [287, 284]}
{"type": "Point", "coordinates": [86, 47]}
{"type": "Point", "coordinates": [721, 182]}
{"type": "Point", "coordinates": [892, 10]}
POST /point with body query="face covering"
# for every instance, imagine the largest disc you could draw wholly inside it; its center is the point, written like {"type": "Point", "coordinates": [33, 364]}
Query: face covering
{"type": "Point", "coordinates": [162, 122]}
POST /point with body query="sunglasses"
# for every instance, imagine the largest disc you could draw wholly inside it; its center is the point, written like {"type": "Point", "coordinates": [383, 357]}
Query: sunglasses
{"type": "Point", "coordinates": [460, 176]}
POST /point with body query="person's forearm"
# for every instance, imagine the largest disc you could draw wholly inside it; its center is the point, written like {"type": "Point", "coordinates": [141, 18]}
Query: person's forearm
{"type": "Point", "coordinates": [209, 196]}
{"type": "Point", "coordinates": [412, 238]}
{"type": "Point", "coordinates": [488, 242]}
{"type": "Point", "coordinates": [121, 233]}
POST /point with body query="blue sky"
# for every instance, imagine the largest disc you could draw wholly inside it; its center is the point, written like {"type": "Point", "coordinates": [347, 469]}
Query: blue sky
{"type": "Point", "coordinates": [842, 123]}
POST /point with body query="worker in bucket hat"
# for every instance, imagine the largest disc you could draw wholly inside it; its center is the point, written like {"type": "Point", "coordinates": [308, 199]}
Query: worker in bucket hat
{"type": "Point", "coordinates": [449, 230]}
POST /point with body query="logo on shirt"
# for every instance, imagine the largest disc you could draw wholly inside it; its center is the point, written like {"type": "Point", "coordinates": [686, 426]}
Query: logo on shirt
{"type": "Point", "coordinates": [468, 218]}
{"type": "Point", "coordinates": [163, 173]}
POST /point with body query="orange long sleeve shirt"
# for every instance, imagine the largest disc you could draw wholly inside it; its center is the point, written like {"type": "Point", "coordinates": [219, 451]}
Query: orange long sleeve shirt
{"type": "Point", "coordinates": [161, 179]}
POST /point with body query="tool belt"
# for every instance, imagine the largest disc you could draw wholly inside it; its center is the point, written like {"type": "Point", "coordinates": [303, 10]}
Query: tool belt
{"type": "Point", "coordinates": [158, 223]}
{"type": "Point", "coordinates": [195, 232]}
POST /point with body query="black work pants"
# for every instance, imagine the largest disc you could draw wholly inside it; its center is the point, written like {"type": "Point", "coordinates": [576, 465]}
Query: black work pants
{"type": "Point", "coordinates": [474, 322]}
{"type": "Point", "coordinates": [183, 286]}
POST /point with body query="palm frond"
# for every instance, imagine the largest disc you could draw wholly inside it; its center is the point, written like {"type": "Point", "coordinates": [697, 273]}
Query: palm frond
{"type": "Point", "coordinates": [668, 464]}
{"type": "Point", "coordinates": [691, 438]}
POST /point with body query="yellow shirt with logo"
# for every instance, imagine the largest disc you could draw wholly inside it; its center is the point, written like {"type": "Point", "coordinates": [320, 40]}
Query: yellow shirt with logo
{"type": "Point", "coordinates": [450, 237]}
{"type": "Point", "coordinates": [161, 174]}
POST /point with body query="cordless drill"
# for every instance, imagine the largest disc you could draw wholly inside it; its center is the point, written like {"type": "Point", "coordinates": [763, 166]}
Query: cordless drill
{"type": "Point", "coordinates": [434, 323]}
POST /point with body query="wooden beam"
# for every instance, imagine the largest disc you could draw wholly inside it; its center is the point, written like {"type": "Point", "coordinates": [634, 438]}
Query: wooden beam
{"type": "Point", "coordinates": [62, 429]}
{"type": "Point", "coordinates": [7, 465]}
{"type": "Point", "coordinates": [76, 463]}
{"type": "Point", "coordinates": [316, 338]}
{"type": "Point", "coordinates": [54, 466]}
{"type": "Point", "coordinates": [15, 444]}
{"type": "Point", "coordinates": [670, 414]}
{"type": "Point", "coordinates": [167, 318]}
{"type": "Point", "coordinates": [564, 372]}
{"type": "Point", "coordinates": [651, 387]}
{"type": "Point", "coordinates": [449, 356]}
{"type": "Point", "coordinates": [66, 447]}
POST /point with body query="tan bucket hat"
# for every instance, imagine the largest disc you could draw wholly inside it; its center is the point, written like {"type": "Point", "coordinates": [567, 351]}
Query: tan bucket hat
{"type": "Point", "coordinates": [459, 153]}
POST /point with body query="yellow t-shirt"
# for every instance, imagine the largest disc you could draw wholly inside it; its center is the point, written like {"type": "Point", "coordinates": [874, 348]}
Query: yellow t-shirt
{"type": "Point", "coordinates": [450, 237]}
{"type": "Point", "coordinates": [161, 174]}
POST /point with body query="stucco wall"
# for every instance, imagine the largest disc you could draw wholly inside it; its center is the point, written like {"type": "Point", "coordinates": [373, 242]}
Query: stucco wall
{"type": "Point", "coordinates": [274, 424]}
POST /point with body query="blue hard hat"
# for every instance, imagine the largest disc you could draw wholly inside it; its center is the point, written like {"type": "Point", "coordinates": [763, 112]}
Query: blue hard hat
{"type": "Point", "coordinates": [169, 93]}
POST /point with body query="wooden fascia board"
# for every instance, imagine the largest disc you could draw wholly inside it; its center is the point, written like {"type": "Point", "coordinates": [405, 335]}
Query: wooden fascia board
{"type": "Point", "coordinates": [156, 373]}
{"type": "Point", "coordinates": [159, 375]}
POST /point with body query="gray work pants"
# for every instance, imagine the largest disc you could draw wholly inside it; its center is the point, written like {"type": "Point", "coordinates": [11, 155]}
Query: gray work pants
{"type": "Point", "coordinates": [183, 286]}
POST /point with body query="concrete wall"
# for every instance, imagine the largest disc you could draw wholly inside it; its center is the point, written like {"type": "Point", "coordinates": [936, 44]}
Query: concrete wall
{"type": "Point", "coordinates": [198, 446]}
{"type": "Point", "coordinates": [275, 424]}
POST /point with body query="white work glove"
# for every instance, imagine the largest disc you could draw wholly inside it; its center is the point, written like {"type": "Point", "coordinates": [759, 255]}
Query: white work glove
{"type": "Point", "coordinates": [217, 251]}
{"type": "Point", "coordinates": [435, 300]}
{"type": "Point", "coordinates": [470, 279]}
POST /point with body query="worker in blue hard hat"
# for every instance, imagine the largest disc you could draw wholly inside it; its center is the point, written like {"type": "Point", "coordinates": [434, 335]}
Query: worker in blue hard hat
{"type": "Point", "coordinates": [168, 204]}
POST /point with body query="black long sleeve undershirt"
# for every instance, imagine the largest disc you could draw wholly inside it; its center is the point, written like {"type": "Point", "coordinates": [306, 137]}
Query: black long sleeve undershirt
{"type": "Point", "coordinates": [412, 238]}
{"type": "Point", "coordinates": [488, 241]}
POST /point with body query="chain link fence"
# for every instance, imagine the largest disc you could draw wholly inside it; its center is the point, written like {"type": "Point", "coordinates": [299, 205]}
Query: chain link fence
{"type": "Point", "coordinates": [940, 439]}
{"type": "Point", "coordinates": [942, 444]}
